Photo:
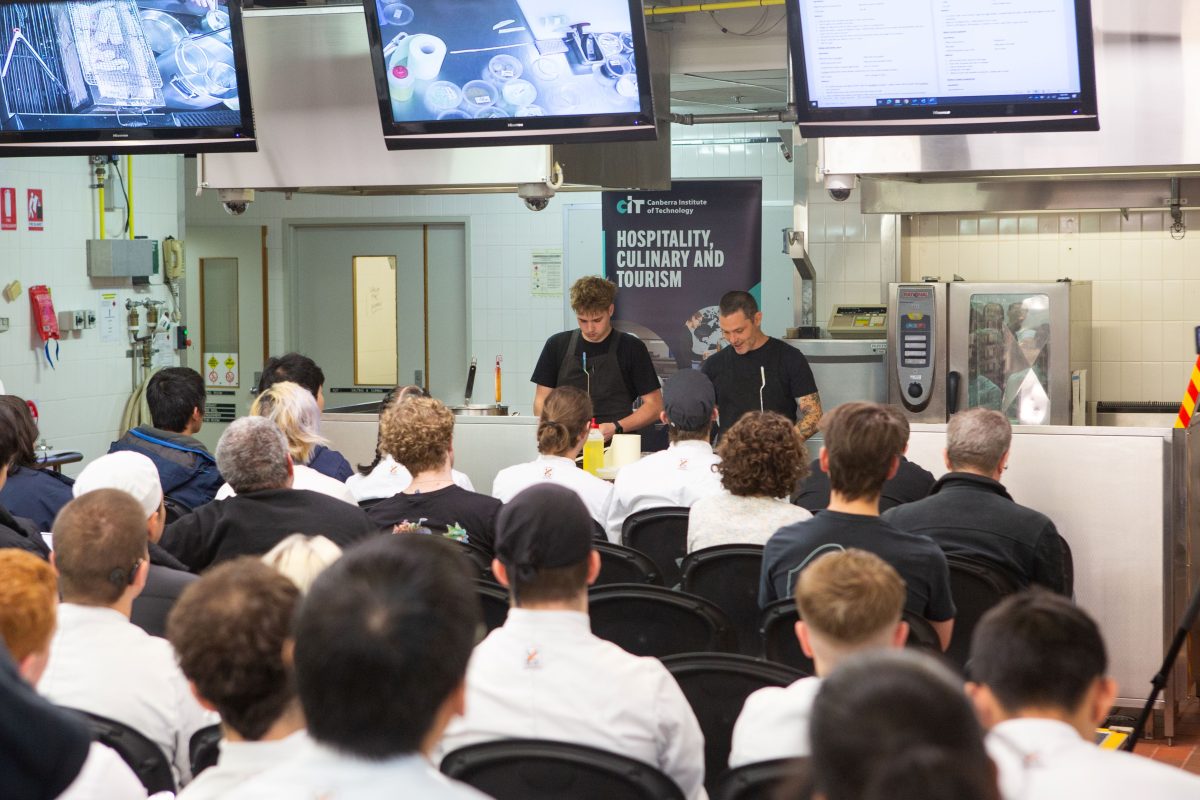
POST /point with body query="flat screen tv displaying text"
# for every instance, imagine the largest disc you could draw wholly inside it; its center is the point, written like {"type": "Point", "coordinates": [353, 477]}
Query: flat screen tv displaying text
{"type": "Point", "coordinates": [899, 67]}
{"type": "Point", "coordinates": [123, 76]}
{"type": "Point", "coordinates": [488, 72]}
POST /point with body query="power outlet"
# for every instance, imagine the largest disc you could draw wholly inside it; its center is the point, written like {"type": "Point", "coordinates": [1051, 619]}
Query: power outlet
{"type": "Point", "coordinates": [91, 319]}
{"type": "Point", "coordinates": [80, 320]}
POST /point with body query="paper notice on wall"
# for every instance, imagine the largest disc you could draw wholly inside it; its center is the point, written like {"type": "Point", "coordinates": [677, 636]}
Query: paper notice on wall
{"type": "Point", "coordinates": [36, 209]}
{"type": "Point", "coordinates": [108, 319]}
{"type": "Point", "coordinates": [546, 273]}
{"type": "Point", "coordinates": [8, 209]}
{"type": "Point", "coordinates": [162, 350]}
{"type": "Point", "coordinates": [221, 370]}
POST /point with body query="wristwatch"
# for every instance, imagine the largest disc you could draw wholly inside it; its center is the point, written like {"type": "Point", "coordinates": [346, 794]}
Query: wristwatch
{"type": "Point", "coordinates": [618, 427]}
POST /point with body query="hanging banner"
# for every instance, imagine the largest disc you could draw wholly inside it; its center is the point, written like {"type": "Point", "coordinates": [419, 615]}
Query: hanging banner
{"type": "Point", "coordinates": [673, 254]}
{"type": "Point", "coordinates": [37, 211]}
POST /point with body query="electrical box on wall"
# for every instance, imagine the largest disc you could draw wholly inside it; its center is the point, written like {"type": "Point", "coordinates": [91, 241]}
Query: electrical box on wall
{"type": "Point", "coordinates": [122, 258]}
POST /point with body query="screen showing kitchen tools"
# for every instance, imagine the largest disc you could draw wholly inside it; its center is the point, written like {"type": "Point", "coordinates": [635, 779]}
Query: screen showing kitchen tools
{"type": "Point", "coordinates": [510, 71]}
{"type": "Point", "coordinates": [942, 66]}
{"type": "Point", "coordinates": [123, 76]}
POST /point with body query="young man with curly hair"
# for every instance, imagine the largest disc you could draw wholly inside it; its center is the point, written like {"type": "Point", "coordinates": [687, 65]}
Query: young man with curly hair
{"type": "Point", "coordinates": [863, 445]}
{"type": "Point", "coordinates": [762, 458]}
{"type": "Point", "coordinates": [613, 367]}
{"type": "Point", "coordinates": [419, 433]}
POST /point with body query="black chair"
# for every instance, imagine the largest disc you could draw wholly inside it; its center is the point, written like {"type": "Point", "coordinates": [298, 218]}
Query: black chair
{"type": "Point", "coordinates": [728, 575]}
{"type": "Point", "coordinates": [717, 685]}
{"type": "Point", "coordinates": [494, 599]}
{"type": "Point", "coordinates": [660, 533]}
{"type": "Point", "coordinates": [759, 781]}
{"type": "Point", "coordinates": [921, 634]}
{"type": "Point", "coordinates": [143, 756]}
{"type": "Point", "coordinates": [370, 501]}
{"type": "Point", "coordinates": [976, 586]}
{"type": "Point", "coordinates": [652, 621]}
{"type": "Point", "coordinates": [481, 560]}
{"type": "Point", "coordinates": [175, 509]}
{"type": "Point", "coordinates": [204, 749]}
{"type": "Point", "coordinates": [621, 564]}
{"type": "Point", "coordinates": [534, 769]}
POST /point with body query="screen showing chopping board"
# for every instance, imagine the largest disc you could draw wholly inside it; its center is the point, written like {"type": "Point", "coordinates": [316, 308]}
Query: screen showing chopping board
{"type": "Point", "coordinates": [131, 75]}
{"type": "Point", "coordinates": [510, 71]}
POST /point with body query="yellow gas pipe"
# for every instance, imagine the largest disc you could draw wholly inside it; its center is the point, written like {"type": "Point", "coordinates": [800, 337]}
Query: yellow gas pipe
{"type": "Point", "coordinates": [696, 7]}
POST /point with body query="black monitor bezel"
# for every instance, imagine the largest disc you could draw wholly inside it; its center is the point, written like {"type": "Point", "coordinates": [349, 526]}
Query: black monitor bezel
{"type": "Point", "coordinates": [134, 141]}
{"type": "Point", "coordinates": [1003, 117]}
{"type": "Point", "coordinates": [634, 126]}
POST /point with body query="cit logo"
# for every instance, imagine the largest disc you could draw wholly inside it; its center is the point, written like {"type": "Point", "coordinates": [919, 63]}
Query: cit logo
{"type": "Point", "coordinates": [630, 206]}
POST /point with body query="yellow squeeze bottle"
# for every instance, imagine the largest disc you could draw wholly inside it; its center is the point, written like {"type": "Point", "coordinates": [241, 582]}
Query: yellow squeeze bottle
{"type": "Point", "coordinates": [593, 449]}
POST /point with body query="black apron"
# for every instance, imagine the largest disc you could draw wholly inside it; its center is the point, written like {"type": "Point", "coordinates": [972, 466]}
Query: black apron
{"type": "Point", "coordinates": [611, 399]}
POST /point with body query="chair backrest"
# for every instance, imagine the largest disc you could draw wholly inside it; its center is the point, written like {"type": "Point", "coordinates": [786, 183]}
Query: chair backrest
{"type": "Point", "coordinates": [976, 586]}
{"type": "Point", "coordinates": [728, 575]}
{"type": "Point", "coordinates": [533, 769]}
{"type": "Point", "coordinates": [204, 749]}
{"type": "Point", "coordinates": [494, 599]}
{"type": "Point", "coordinates": [777, 627]}
{"type": "Point", "coordinates": [921, 634]}
{"type": "Point", "coordinates": [480, 559]}
{"type": "Point", "coordinates": [758, 781]}
{"type": "Point", "coordinates": [652, 621]}
{"type": "Point", "coordinates": [717, 685]}
{"type": "Point", "coordinates": [370, 502]}
{"type": "Point", "coordinates": [660, 533]}
{"type": "Point", "coordinates": [143, 756]}
{"type": "Point", "coordinates": [175, 508]}
{"type": "Point", "coordinates": [621, 564]}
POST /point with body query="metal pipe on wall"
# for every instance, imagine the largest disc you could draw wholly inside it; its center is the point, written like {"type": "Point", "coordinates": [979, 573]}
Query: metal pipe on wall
{"type": "Point", "coordinates": [698, 7]}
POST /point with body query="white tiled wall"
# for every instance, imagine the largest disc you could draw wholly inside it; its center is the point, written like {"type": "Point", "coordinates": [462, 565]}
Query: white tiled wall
{"type": "Point", "coordinates": [81, 400]}
{"type": "Point", "coordinates": [505, 318]}
{"type": "Point", "coordinates": [846, 250]}
{"type": "Point", "coordinates": [1145, 290]}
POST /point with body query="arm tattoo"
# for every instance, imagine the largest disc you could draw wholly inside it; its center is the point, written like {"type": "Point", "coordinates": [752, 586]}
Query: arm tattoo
{"type": "Point", "coordinates": [808, 414]}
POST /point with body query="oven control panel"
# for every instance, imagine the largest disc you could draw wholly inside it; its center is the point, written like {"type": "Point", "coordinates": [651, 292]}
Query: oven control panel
{"type": "Point", "coordinates": [916, 327]}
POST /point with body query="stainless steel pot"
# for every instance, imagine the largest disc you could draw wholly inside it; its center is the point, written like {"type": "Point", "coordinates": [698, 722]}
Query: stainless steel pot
{"type": "Point", "coordinates": [480, 410]}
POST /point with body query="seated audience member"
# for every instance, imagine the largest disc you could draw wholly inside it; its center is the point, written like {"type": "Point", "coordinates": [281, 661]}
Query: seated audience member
{"type": "Point", "coordinates": [383, 477]}
{"type": "Point", "coordinates": [894, 725]}
{"type": "Point", "coordinates": [304, 371]}
{"type": "Point", "coordinates": [187, 471]}
{"type": "Point", "coordinates": [762, 457]}
{"type": "Point", "coordinates": [970, 513]}
{"type": "Point", "coordinates": [681, 474]}
{"type": "Point", "coordinates": [302, 558]}
{"type": "Point", "coordinates": [863, 442]}
{"type": "Point", "coordinates": [230, 630]}
{"type": "Point", "coordinates": [253, 455]}
{"type": "Point", "coordinates": [134, 474]}
{"type": "Point", "coordinates": [30, 491]}
{"type": "Point", "coordinates": [911, 481]}
{"type": "Point", "coordinates": [419, 433]}
{"type": "Point", "coordinates": [100, 662]}
{"type": "Point", "coordinates": [44, 750]}
{"type": "Point", "coordinates": [295, 412]}
{"type": "Point", "coordinates": [28, 608]}
{"type": "Point", "coordinates": [544, 675]}
{"type": "Point", "coordinates": [561, 432]}
{"type": "Point", "coordinates": [17, 532]}
{"type": "Point", "coordinates": [1038, 664]}
{"type": "Point", "coordinates": [382, 643]}
{"type": "Point", "coordinates": [849, 603]}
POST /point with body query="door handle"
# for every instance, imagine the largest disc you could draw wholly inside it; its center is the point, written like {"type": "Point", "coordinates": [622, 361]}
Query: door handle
{"type": "Point", "coordinates": [952, 379]}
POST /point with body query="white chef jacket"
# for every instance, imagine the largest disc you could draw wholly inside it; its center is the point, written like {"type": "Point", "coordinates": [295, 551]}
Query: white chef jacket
{"type": "Point", "coordinates": [774, 724]}
{"type": "Point", "coordinates": [241, 761]}
{"type": "Point", "coordinates": [595, 493]}
{"type": "Point", "coordinates": [105, 776]}
{"type": "Point", "coordinates": [329, 775]}
{"type": "Point", "coordinates": [389, 478]}
{"type": "Point", "coordinates": [102, 663]}
{"type": "Point", "coordinates": [306, 478]}
{"type": "Point", "coordinates": [544, 675]}
{"type": "Point", "coordinates": [733, 519]}
{"type": "Point", "coordinates": [1044, 759]}
{"type": "Point", "coordinates": [677, 476]}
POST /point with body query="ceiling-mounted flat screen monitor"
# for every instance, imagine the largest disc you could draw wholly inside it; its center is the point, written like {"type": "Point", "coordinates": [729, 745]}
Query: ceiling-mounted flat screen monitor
{"type": "Point", "coordinates": [899, 67]}
{"type": "Point", "coordinates": [123, 76]}
{"type": "Point", "coordinates": [453, 73]}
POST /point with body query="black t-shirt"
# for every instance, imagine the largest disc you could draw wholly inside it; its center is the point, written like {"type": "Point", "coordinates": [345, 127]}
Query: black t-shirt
{"type": "Point", "coordinates": [912, 482]}
{"type": "Point", "coordinates": [633, 359]}
{"type": "Point", "coordinates": [737, 378]}
{"type": "Point", "coordinates": [918, 559]}
{"type": "Point", "coordinates": [451, 511]}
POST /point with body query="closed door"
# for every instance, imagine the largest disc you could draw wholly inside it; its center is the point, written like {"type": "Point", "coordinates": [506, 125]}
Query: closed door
{"type": "Point", "coordinates": [343, 273]}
